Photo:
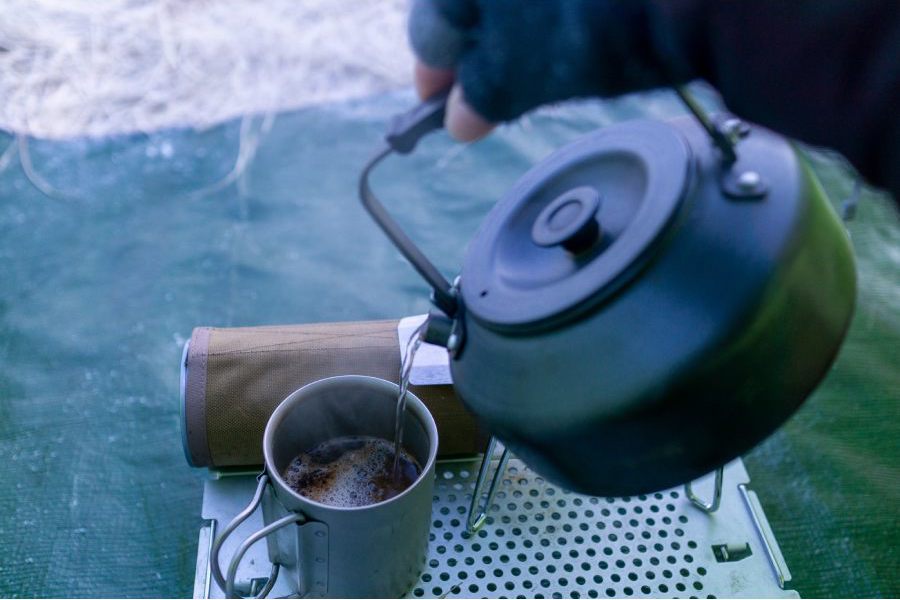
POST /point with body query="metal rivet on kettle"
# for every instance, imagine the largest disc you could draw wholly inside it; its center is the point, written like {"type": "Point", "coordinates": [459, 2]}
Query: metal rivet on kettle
{"type": "Point", "coordinates": [453, 342]}
{"type": "Point", "coordinates": [749, 180]}
{"type": "Point", "coordinates": [736, 128]}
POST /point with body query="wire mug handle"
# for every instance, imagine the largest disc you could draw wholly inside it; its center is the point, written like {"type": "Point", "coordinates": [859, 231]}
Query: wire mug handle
{"type": "Point", "coordinates": [227, 583]}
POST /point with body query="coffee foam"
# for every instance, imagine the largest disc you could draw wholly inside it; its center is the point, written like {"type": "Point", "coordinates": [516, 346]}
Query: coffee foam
{"type": "Point", "coordinates": [351, 471]}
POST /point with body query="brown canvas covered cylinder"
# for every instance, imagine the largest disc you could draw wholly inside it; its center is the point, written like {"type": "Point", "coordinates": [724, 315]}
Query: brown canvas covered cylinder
{"type": "Point", "coordinates": [235, 377]}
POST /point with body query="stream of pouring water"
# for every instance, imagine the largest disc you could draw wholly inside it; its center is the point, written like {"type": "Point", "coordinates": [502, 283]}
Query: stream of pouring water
{"type": "Point", "coordinates": [412, 346]}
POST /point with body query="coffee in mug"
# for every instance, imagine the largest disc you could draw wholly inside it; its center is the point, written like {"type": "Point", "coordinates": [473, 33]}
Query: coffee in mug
{"type": "Point", "coordinates": [350, 471]}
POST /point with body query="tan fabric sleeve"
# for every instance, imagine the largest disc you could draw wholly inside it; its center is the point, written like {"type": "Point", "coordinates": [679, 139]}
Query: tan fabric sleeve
{"type": "Point", "coordinates": [236, 378]}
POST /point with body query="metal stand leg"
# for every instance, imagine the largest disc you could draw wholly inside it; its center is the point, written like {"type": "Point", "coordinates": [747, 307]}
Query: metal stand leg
{"type": "Point", "coordinates": [478, 512]}
{"type": "Point", "coordinates": [707, 507]}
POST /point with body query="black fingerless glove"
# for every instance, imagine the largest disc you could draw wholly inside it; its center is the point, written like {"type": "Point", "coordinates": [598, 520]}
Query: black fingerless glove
{"type": "Point", "coordinates": [514, 55]}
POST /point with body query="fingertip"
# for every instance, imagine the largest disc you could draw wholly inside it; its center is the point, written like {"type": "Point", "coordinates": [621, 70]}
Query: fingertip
{"type": "Point", "coordinates": [462, 121]}
{"type": "Point", "coordinates": [429, 80]}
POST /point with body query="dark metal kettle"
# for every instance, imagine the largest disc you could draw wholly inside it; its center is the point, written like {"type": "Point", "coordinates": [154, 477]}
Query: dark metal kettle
{"type": "Point", "coordinates": [644, 305]}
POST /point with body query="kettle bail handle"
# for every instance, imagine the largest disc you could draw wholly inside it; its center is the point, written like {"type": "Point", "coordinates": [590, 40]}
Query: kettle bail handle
{"type": "Point", "coordinates": [723, 141]}
{"type": "Point", "coordinates": [405, 131]}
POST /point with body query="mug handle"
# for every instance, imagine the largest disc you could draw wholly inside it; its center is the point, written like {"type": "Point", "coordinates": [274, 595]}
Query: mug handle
{"type": "Point", "coordinates": [227, 583]}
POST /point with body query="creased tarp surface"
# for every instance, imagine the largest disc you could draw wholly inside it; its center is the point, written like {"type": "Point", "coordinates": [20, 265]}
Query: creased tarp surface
{"type": "Point", "coordinates": [101, 284]}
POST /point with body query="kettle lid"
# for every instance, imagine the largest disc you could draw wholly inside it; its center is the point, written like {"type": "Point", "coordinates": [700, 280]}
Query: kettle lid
{"type": "Point", "coordinates": [577, 226]}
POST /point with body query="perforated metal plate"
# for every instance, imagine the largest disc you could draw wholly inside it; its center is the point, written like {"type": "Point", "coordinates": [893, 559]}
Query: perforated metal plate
{"type": "Point", "coordinates": [543, 542]}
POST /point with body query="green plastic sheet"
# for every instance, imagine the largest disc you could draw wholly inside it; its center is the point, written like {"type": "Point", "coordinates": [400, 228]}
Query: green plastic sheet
{"type": "Point", "coordinates": [112, 250]}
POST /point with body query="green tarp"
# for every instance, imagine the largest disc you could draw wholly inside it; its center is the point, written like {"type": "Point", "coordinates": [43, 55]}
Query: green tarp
{"type": "Point", "coordinates": [102, 281]}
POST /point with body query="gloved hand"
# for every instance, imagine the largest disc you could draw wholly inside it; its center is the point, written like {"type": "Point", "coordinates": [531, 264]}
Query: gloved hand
{"type": "Point", "coordinates": [823, 71]}
{"type": "Point", "coordinates": [505, 57]}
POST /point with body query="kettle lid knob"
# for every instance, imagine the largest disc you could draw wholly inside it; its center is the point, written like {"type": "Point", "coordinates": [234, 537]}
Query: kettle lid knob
{"type": "Point", "coordinates": [569, 221]}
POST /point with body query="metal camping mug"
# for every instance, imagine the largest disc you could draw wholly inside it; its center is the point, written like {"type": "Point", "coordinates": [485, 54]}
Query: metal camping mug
{"type": "Point", "coordinates": [376, 550]}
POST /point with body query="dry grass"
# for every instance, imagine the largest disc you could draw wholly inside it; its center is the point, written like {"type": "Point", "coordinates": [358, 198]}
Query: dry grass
{"type": "Point", "coordinates": [100, 67]}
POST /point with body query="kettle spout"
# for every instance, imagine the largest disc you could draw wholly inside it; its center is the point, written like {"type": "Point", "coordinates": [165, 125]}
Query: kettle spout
{"type": "Point", "coordinates": [438, 329]}
{"type": "Point", "coordinates": [441, 330]}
